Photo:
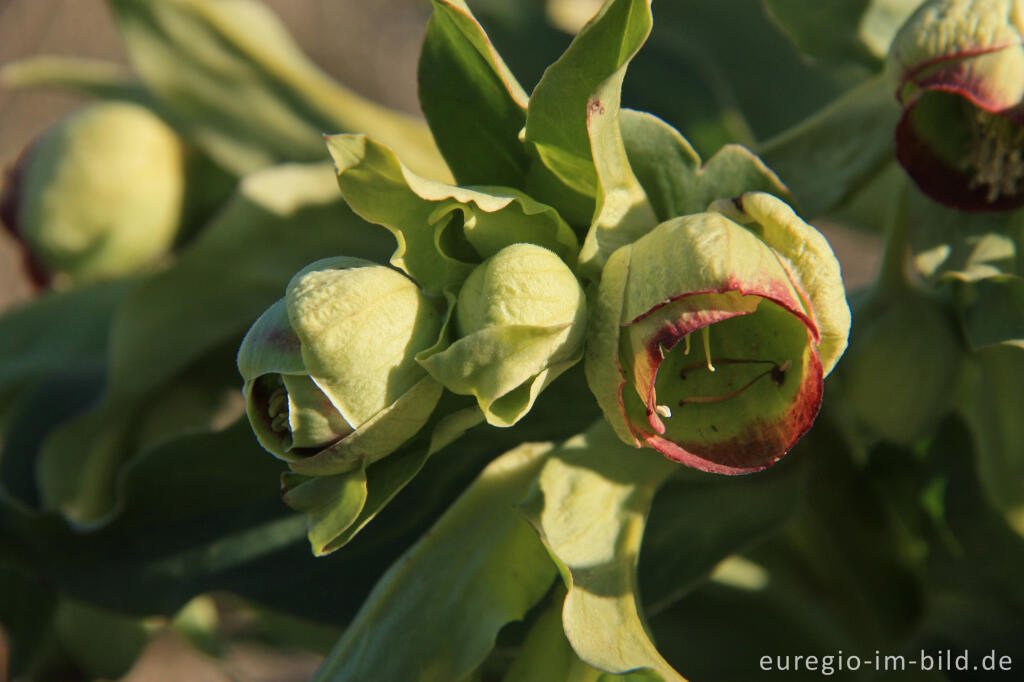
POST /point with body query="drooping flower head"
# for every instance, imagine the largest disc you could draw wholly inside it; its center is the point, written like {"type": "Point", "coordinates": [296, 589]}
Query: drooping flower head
{"type": "Point", "coordinates": [711, 346]}
{"type": "Point", "coordinates": [959, 69]}
{"type": "Point", "coordinates": [330, 375]}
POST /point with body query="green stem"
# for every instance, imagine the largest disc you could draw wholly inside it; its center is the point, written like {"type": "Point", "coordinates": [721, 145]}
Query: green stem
{"type": "Point", "coordinates": [892, 276]}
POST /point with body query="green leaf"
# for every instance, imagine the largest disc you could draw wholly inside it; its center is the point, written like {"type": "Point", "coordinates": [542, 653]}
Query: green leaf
{"type": "Point", "coordinates": [441, 229]}
{"type": "Point", "coordinates": [26, 610]}
{"type": "Point", "coordinates": [60, 330]}
{"type": "Point", "coordinates": [858, 31]}
{"type": "Point", "coordinates": [103, 643]}
{"type": "Point", "coordinates": [990, 403]}
{"type": "Point", "coordinates": [504, 367]}
{"type": "Point", "coordinates": [546, 655]}
{"type": "Point", "coordinates": [967, 246]}
{"type": "Point", "coordinates": [590, 507]}
{"type": "Point", "coordinates": [95, 77]}
{"type": "Point", "coordinates": [478, 568]}
{"type": "Point", "coordinates": [473, 103]}
{"type": "Point", "coordinates": [699, 512]}
{"type": "Point", "coordinates": [556, 121]}
{"type": "Point", "coordinates": [992, 311]}
{"type": "Point", "coordinates": [246, 92]}
{"type": "Point", "coordinates": [672, 173]}
{"type": "Point", "coordinates": [331, 504]}
{"type": "Point", "coordinates": [623, 213]}
{"type": "Point", "coordinates": [830, 155]}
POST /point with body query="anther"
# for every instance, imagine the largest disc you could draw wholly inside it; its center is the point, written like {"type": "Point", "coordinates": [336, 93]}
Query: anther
{"type": "Point", "coordinates": [706, 334]}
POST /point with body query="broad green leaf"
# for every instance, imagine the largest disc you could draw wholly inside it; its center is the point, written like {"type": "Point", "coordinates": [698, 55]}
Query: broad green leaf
{"type": "Point", "coordinates": [478, 568]}
{"type": "Point", "coordinates": [990, 402]}
{"type": "Point", "coordinates": [248, 95]}
{"type": "Point", "coordinates": [827, 157]}
{"type": "Point", "coordinates": [857, 31]}
{"type": "Point", "coordinates": [60, 330]}
{"type": "Point", "coordinates": [26, 610]}
{"type": "Point", "coordinates": [624, 213]}
{"type": "Point", "coordinates": [699, 512]}
{"type": "Point", "coordinates": [556, 122]}
{"type": "Point", "coordinates": [590, 507]}
{"type": "Point", "coordinates": [473, 103]}
{"type": "Point", "coordinates": [441, 229]}
{"type": "Point", "coordinates": [39, 410]}
{"type": "Point", "coordinates": [673, 175]}
{"type": "Point", "coordinates": [992, 311]}
{"type": "Point", "coordinates": [546, 655]}
{"type": "Point", "coordinates": [95, 77]}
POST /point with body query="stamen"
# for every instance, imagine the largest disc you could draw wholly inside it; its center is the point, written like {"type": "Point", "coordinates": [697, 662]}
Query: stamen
{"type": "Point", "coordinates": [996, 157]}
{"type": "Point", "coordinates": [277, 409]}
{"type": "Point", "coordinates": [706, 333]}
{"type": "Point", "coordinates": [686, 349]}
{"type": "Point", "coordinates": [664, 411]}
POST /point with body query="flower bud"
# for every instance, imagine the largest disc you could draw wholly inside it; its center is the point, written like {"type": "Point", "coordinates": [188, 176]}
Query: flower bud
{"type": "Point", "coordinates": [520, 321]}
{"type": "Point", "coordinates": [330, 376]}
{"type": "Point", "coordinates": [705, 343]}
{"type": "Point", "coordinates": [100, 194]}
{"type": "Point", "coordinates": [959, 68]}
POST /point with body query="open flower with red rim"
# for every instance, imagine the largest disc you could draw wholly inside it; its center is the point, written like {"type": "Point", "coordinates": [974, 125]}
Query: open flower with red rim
{"type": "Point", "coordinates": [710, 339]}
{"type": "Point", "coordinates": [959, 66]}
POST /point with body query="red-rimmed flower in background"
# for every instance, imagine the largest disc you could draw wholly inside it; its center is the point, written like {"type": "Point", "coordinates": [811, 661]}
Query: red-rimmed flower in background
{"type": "Point", "coordinates": [959, 65]}
{"type": "Point", "coordinates": [710, 339]}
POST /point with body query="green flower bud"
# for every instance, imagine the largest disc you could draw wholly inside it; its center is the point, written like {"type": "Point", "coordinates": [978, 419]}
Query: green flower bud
{"type": "Point", "coordinates": [331, 381]}
{"type": "Point", "coordinates": [709, 340]}
{"type": "Point", "coordinates": [900, 373]}
{"type": "Point", "coordinates": [100, 194]}
{"type": "Point", "coordinates": [520, 319]}
{"type": "Point", "coordinates": [959, 69]}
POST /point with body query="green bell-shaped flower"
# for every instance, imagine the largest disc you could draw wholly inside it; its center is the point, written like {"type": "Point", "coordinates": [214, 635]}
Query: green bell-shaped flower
{"type": "Point", "coordinates": [331, 382]}
{"type": "Point", "coordinates": [520, 321]}
{"type": "Point", "coordinates": [100, 194]}
{"type": "Point", "coordinates": [959, 72]}
{"type": "Point", "coordinates": [709, 340]}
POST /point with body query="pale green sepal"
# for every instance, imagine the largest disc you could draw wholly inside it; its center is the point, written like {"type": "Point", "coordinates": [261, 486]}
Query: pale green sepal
{"type": "Point", "coordinates": [590, 507]}
{"type": "Point", "coordinates": [312, 419]}
{"type": "Point", "coordinates": [623, 212]}
{"type": "Point", "coordinates": [446, 599]}
{"type": "Point", "coordinates": [672, 173]}
{"type": "Point", "coordinates": [604, 372]}
{"type": "Point", "coordinates": [379, 436]}
{"type": "Point", "coordinates": [491, 363]}
{"type": "Point", "coordinates": [331, 504]}
{"type": "Point", "coordinates": [830, 155]}
{"type": "Point", "coordinates": [360, 324]}
{"type": "Point", "coordinates": [451, 427]}
{"type": "Point", "coordinates": [419, 212]}
{"type": "Point", "coordinates": [991, 310]}
{"type": "Point", "coordinates": [556, 121]}
{"type": "Point", "coordinates": [270, 346]}
{"type": "Point", "coordinates": [809, 260]}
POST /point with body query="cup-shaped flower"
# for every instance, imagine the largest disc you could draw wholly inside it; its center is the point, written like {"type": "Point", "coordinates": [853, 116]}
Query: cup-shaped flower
{"type": "Point", "coordinates": [520, 321]}
{"type": "Point", "coordinates": [705, 342]}
{"type": "Point", "coordinates": [959, 69]}
{"type": "Point", "coordinates": [100, 194]}
{"type": "Point", "coordinates": [331, 381]}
